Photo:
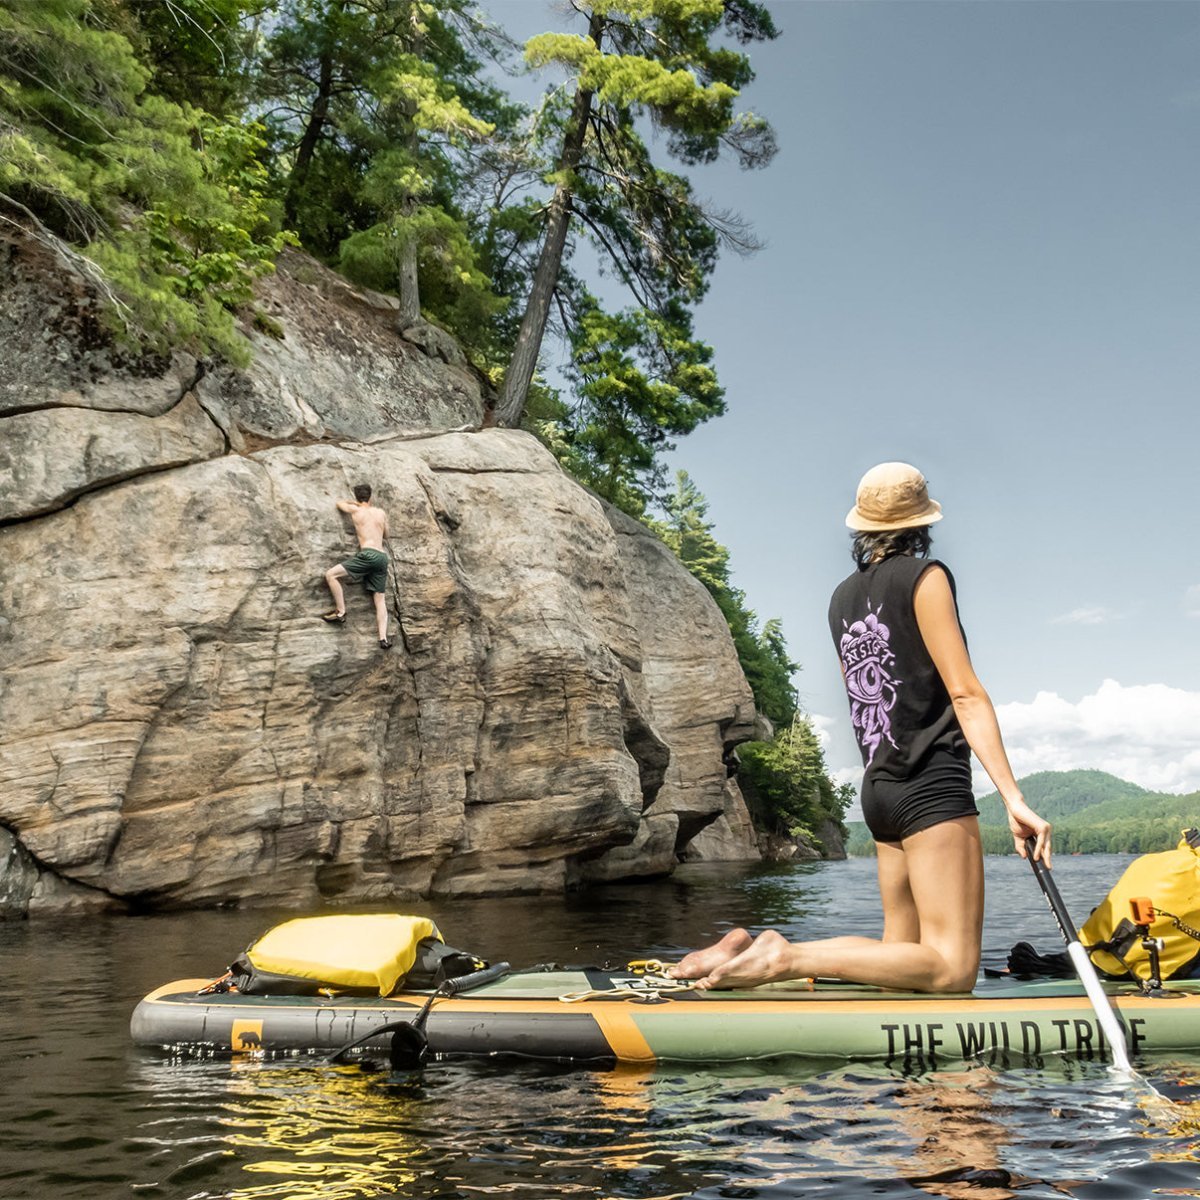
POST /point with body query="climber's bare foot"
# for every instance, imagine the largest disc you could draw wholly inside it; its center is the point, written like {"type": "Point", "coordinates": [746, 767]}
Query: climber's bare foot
{"type": "Point", "coordinates": [769, 958]}
{"type": "Point", "coordinates": [700, 963]}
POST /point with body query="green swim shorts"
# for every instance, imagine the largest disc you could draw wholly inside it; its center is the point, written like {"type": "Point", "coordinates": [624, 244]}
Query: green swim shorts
{"type": "Point", "coordinates": [369, 567]}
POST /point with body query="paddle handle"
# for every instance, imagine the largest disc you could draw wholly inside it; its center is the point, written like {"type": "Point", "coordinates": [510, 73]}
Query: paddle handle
{"type": "Point", "coordinates": [1101, 1005]}
{"type": "Point", "coordinates": [1053, 896]}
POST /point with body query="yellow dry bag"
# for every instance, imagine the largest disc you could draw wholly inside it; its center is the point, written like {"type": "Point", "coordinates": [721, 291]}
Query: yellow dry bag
{"type": "Point", "coordinates": [1171, 881]}
{"type": "Point", "coordinates": [363, 953]}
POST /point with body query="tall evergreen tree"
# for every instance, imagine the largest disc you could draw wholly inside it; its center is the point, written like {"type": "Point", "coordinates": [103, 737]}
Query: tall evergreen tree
{"type": "Point", "coordinates": [368, 103]}
{"type": "Point", "coordinates": [655, 60]}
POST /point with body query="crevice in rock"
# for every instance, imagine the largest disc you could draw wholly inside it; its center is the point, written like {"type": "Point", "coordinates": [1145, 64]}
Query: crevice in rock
{"type": "Point", "coordinates": [73, 498]}
{"type": "Point", "coordinates": [254, 443]}
{"type": "Point", "coordinates": [481, 635]}
{"type": "Point", "coordinates": [648, 750]}
{"type": "Point", "coordinates": [406, 646]}
{"type": "Point", "coordinates": [185, 387]}
{"type": "Point", "coordinates": [136, 768]}
{"type": "Point", "coordinates": [485, 709]}
{"type": "Point", "coordinates": [443, 470]}
{"type": "Point", "coordinates": [45, 868]}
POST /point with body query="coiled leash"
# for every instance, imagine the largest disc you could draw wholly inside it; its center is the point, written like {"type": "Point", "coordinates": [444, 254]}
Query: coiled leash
{"type": "Point", "coordinates": [650, 985]}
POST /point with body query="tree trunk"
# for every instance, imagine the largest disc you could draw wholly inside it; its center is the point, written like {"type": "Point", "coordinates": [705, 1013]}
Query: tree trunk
{"type": "Point", "coordinates": [409, 282]}
{"type": "Point", "coordinates": [410, 287]}
{"type": "Point", "coordinates": [511, 405]}
{"type": "Point", "coordinates": [312, 135]}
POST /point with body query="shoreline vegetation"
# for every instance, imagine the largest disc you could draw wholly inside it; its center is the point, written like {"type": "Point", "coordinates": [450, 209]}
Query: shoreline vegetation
{"type": "Point", "coordinates": [1093, 812]}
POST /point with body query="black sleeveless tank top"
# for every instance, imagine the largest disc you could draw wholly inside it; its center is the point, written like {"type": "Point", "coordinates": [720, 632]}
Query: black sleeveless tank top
{"type": "Point", "coordinates": [902, 715]}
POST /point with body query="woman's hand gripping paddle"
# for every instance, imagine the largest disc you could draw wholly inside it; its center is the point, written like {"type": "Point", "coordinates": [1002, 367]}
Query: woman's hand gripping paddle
{"type": "Point", "coordinates": [1082, 964]}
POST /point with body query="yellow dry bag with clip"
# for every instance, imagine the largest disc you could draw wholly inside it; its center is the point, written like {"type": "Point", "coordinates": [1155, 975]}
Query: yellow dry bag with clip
{"type": "Point", "coordinates": [364, 954]}
{"type": "Point", "coordinates": [1171, 881]}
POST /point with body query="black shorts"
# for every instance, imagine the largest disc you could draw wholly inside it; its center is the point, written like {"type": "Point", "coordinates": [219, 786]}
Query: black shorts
{"type": "Point", "coordinates": [940, 791]}
{"type": "Point", "coordinates": [369, 566]}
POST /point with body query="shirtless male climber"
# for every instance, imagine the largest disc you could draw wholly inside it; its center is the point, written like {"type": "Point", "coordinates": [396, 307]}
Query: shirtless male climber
{"type": "Point", "coordinates": [369, 565]}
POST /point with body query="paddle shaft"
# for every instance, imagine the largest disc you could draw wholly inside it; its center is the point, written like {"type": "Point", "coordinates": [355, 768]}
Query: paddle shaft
{"type": "Point", "coordinates": [1105, 1015]}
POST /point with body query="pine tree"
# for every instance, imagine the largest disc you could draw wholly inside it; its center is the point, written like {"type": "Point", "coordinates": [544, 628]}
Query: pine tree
{"type": "Point", "coordinates": [371, 103]}
{"type": "Point", "coordinates": [640, 379]}
{"type": "Point", "coordinates": [655, 60]}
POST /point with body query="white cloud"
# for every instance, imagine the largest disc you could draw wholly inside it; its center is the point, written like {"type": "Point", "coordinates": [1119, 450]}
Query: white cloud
{"type": "Point", "coordinates": [1095, 614]}
{"type": "Point", "coordinates": [821, 727]}
{"type": "Point", "coordinates": [1149, 734]}
{"type": "Point", "coordinates": [1191, 601]}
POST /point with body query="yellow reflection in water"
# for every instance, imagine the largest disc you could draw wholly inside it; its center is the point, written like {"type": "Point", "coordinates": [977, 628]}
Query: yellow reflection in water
{"type": "Point", "coordinates": [1180, 1119]}
{"type": "Point", "coordinates": [337, 1135]}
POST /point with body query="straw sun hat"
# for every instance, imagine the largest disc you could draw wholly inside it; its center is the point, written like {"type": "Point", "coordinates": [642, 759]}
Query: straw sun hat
{"type": "Point", "coordinates": [892, 495]}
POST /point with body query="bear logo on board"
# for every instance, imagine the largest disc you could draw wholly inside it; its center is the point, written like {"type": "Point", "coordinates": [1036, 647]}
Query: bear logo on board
{"type": "Point", "coordinates": [246, 1036]}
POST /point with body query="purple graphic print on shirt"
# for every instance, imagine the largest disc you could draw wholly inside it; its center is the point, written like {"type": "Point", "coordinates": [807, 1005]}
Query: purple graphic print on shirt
{"type": "Point", "coordinates": [867, 660]}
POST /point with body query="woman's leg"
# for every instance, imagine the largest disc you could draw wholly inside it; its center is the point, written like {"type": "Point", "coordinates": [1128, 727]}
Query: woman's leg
{"type": "Point", "coordinates": [900, 920]}
{"type": "Point", "coordinates": [944, 872]}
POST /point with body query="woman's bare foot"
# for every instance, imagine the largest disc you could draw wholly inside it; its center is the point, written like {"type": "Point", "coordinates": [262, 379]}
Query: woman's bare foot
{"type": "Point", "coordinates": [769, 958]}
{"type": "Point", "coordinates": [700, 963]}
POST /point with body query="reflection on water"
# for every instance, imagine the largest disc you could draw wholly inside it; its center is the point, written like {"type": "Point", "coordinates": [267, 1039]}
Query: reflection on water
{"type": "Point", "coordinates": [463, 1130]}
{"type": "Point", "coordinates": [84, 1115]}
{"type": "Point", "coordinates": [337, 1142]}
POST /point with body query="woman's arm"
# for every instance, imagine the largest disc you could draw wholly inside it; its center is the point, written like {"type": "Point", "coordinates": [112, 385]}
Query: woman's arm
{"type": "Point", "coordinates": [937, 619]}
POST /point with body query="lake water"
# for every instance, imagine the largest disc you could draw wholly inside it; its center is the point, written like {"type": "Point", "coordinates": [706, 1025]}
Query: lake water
{"type": "Point", "coordinates": [84, 1114]}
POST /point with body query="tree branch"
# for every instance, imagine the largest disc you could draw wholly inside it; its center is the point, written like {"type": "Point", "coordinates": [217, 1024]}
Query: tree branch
{"type": "Point", "coordinates": [70, 258]}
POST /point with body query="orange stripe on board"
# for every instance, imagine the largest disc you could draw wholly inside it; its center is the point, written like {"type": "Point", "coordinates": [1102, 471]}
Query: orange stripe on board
{"type": "Point", "coordinates": [620, 1030]}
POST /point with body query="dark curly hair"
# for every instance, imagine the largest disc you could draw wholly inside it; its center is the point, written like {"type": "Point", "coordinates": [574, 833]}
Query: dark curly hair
{"type": "Point", "coordinates": [871, 548]}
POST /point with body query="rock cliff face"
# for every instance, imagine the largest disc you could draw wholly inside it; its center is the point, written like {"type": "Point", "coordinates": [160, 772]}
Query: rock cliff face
{"type": "Point", "coordinates": [177, 726]}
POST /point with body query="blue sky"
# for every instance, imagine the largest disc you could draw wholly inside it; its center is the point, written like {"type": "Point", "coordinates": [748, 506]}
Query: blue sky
{"type": "Point", "coordinates": [983, 257]}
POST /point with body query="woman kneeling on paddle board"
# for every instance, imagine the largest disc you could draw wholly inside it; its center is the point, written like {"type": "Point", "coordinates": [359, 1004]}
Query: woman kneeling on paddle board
{"type": "Point", "coordinates": [918, 710]}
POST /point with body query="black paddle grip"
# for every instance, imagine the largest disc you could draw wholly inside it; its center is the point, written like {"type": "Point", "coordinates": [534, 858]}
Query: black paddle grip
{"type": "Point", "coordinates": [1050, 891]}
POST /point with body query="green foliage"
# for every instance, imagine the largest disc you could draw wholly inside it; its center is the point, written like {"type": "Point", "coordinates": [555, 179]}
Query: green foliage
{"type": "Point", "coordinates": [452, 285]}
{"type": "Point", "coordinates": [196, 49]}
{"type": "Point", "coordinates": [173, 141]}
{"type": "Point", "coordinates": [166, 198]}
{"type": "Point", "coordinates": [658, 65]}
{"type": "Point", "coordinates": [640, 379]}
{"type": "Point", "coordinates": [1059, 794]}
{"type": "Point", "coordinates": [662, 59]}
{"type": "Point", "coordinates": [375, 112]}
{"type": "Point", "coordinates": [787, 783]}
{"type": "Point", "coordinates": [859, 843]}
{"type": "Point", "coordinates": [1092, 812]}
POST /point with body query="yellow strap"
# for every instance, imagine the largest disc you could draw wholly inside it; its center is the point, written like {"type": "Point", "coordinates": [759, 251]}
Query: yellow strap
{"type": "Point", "coordinates": [648, 966]}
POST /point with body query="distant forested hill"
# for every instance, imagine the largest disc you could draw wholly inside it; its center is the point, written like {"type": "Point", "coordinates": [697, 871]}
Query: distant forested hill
{"type": "Point", "coordinates": [1092, 812]}
{"type": "Point", "coordinates": [1057, 795]}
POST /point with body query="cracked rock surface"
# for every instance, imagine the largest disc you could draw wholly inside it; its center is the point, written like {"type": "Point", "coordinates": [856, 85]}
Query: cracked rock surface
{"type": "Point", "coordinates": [178, 727]}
